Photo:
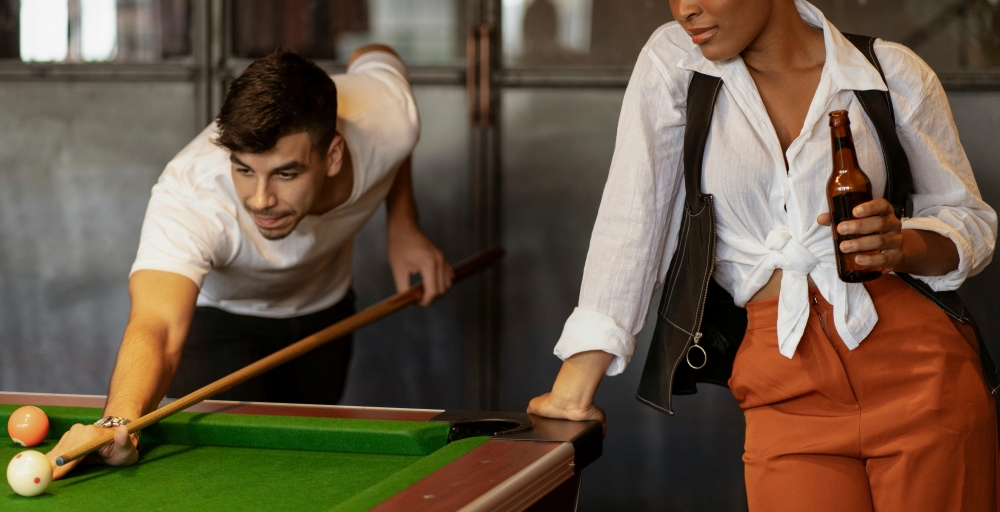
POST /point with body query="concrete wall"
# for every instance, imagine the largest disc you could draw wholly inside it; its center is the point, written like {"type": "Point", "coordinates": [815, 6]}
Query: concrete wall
{"type": "Point", "coordinates": [76, 165]}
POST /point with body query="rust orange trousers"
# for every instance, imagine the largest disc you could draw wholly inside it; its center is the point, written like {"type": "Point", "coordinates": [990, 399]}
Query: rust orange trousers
{"type": "Point", "coordinates": [904, 422]}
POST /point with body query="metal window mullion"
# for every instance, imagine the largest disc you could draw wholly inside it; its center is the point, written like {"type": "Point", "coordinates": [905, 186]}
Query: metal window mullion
{"type": "Point", "coordinates": [219, 49]}
{"type": "Point", "coordinates": [200, 34]}
{"type": "Point", "coordinates": [619, 77]}
{"type": "Point", "coordinates": [487, 200]}
{"type": "Point", "coordinates": [17, 71]}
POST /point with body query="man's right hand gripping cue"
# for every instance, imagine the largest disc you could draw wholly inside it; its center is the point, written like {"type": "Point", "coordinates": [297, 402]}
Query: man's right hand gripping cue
{"type": "Point", "coordinates": [572, 395]}
{"type": "Point", "coordinates": [122, 452]}
{"type": "Point", "coordinates": [162, 308]}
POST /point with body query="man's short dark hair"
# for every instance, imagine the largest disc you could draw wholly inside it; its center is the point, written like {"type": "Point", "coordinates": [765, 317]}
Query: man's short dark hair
{"type": "Point", "coordinates": [278, 95]}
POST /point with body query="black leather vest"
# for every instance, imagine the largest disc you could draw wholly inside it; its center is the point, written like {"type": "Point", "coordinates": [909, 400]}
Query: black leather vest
{"type": "Point", "coordinates": [698, 327]}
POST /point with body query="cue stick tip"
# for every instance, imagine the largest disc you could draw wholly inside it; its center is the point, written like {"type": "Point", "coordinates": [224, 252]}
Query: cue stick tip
{"type": "Point", "coordinates": [60, 461]}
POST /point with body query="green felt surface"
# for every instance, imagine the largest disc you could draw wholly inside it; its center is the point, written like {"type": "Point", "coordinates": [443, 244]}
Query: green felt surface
{"type": "Point", "coordinates": [408, 476]}
{"type": "Point", "coordinates": [281, 432]}
{"type": "Point", "coordinates": [245, 462]}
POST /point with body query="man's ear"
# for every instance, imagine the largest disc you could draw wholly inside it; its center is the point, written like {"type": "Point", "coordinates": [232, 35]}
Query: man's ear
{"type": "Point", "coordinates": [335, 156]}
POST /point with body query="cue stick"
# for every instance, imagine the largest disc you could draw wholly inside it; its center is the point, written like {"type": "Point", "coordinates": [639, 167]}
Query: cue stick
{"type": "Point", "coordinates": [464, 269]}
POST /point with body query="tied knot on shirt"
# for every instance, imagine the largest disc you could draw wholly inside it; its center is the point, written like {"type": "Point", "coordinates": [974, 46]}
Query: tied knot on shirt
{"type": "Point", "coordinates": [796, 262]}
{"type": "Point", "coordinates": [792, 257]}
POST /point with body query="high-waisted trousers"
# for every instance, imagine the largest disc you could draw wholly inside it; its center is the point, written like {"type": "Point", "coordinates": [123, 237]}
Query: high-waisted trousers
{"type": "Point", "coordinates": [904, 422]}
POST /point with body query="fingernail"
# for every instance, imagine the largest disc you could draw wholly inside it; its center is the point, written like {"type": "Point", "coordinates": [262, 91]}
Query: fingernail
{"type": "Point", "coordinates": [859, 211]}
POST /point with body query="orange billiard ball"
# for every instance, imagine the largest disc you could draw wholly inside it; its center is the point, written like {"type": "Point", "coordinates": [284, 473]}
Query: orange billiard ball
{"type": "Point", "coordinates": [28, 426]}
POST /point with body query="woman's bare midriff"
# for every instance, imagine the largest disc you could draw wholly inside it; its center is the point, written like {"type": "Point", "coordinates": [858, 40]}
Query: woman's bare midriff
{"type": "Point", "coordinates": [773, 287]}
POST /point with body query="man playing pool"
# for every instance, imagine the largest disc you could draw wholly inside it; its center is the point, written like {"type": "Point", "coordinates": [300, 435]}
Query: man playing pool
{"type": "Point", "coordinates": [246, 244]}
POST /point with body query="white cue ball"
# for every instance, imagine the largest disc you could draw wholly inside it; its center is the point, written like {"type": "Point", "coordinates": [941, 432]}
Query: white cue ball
{"type": "Point", "coordinates": [29, 473]}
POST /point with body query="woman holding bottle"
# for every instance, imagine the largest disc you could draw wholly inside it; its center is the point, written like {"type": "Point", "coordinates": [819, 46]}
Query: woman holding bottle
{"type": "Point", "coordinates": [857, 396]}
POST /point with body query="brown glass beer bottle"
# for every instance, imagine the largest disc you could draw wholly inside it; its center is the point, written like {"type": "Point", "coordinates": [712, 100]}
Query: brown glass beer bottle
{"type": "Point", "coordinates": [848, 187]}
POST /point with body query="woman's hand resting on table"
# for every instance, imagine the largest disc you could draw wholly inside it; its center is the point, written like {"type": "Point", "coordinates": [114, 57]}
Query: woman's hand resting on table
{"type": "Point", "coordinates": [572, 395]}
{"type": "Point", "coordinates": [552, 406]}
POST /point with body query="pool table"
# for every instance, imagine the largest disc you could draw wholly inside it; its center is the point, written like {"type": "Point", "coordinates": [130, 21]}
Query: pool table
{"type": "Point", "coordinates": [221, 455]}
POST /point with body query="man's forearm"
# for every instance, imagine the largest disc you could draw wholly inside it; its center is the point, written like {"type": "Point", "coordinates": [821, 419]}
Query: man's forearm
{"type": "Point", "coordinates": [401, 207]}
{"type": "Point", "coordinates": [143, 371]}
{"type": "Point", "coordinates": [163, 305]}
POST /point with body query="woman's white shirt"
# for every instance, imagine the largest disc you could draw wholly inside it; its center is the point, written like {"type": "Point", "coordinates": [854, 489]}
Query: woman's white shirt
{"type": "Point", "coordinates": [195, 225]}
{"type": "Point", "coordinates": [765, 214]}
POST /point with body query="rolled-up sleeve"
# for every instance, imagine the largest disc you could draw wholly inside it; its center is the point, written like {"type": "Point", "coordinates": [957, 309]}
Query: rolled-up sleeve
{"type": "Point", "coordinates": [946, 199]}
{"type": "Point", "coordinates": [637, 221]}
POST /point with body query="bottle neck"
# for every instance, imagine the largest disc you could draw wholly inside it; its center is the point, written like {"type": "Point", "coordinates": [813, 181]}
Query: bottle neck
{"type": "Point", "coordinates": [844, 155]}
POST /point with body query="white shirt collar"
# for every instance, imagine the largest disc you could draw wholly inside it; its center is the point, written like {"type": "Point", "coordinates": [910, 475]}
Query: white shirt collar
{"type": "Point", "coordinates": [847, 66]}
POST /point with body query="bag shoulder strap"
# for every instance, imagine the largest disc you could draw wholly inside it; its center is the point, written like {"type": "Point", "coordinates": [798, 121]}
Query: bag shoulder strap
{"type": "Point", "coordinates": [702, 93]}
{"type": "Point", "coordinates": [878, 106]}
{"type": "Point", "coordinates": [899, 184]}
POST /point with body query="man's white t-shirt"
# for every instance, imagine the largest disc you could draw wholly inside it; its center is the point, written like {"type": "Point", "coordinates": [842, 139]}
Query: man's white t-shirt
{"type": "Point", "coordinates": [195, 225]}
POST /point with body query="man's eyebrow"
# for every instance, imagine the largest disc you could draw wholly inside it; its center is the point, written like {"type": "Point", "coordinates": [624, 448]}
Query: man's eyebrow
{"type": "Point", "coordinates": [237, 161]}
{"type": "Point", "coordinates": [294, 164]}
